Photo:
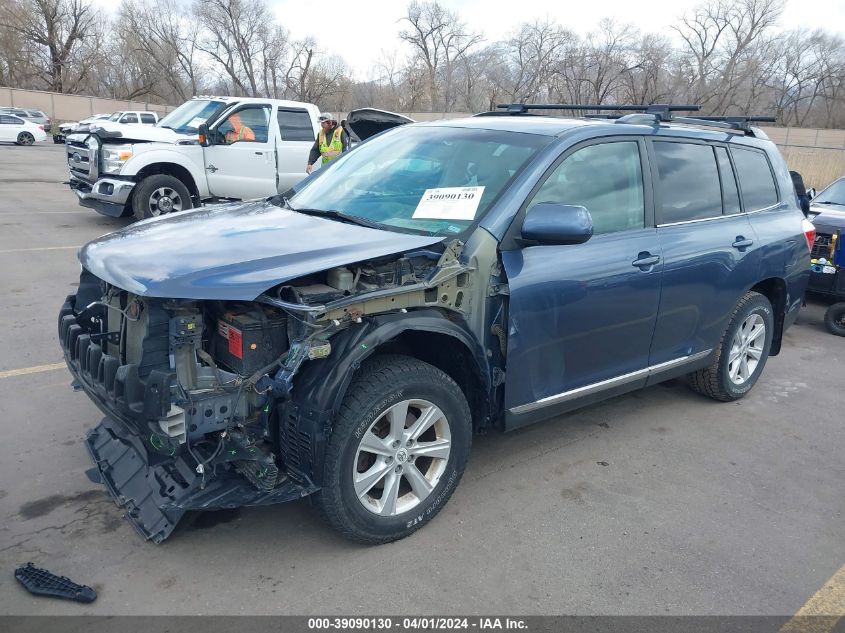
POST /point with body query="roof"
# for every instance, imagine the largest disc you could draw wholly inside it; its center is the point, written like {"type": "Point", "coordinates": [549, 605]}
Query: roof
{"type": "Point", "coordinates": [280, 102]}
{"type": "Point", "coordinates": [542, 125]}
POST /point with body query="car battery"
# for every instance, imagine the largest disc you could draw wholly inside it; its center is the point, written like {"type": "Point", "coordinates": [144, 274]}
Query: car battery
{"type": "Point", "coordinates": [247, 341]}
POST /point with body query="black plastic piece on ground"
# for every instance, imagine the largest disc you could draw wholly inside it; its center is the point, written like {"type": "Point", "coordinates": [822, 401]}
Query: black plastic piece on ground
{"type": "Point", "coordinates": [42, 583]}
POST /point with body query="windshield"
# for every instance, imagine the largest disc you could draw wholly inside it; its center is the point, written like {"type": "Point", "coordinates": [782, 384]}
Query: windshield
{"type": "Point", "coordinates": [187, 118]}
{"type": "Point", "coordinates": [435, 180]}
{"type": "Point", "coordinates": [115, 116]}
{"type": "Point", "coordinates": [834, 193]}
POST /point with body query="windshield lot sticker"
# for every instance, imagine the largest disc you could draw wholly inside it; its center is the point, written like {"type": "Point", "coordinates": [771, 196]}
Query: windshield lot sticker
{"type": "Point", "coordinates": [449, 203]}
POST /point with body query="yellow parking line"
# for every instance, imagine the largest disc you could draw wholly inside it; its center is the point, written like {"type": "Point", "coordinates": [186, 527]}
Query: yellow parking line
{"type": "Point", "coordinates": [11, 373]}
{"type": "Point", "coordinates": [40, 248]}
{"type": "Point", "coordinates": [826, 607]}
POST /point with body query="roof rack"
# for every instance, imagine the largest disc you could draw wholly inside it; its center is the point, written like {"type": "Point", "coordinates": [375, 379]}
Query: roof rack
{"type": "Point", "coordinates": [664, 110]}
{"type": "Point", "coordinates": [645, 114]}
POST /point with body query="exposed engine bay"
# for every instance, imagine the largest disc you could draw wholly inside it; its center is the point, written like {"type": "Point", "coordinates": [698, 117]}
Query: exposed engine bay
{"type": "Point", "coordinates": [196, 389]}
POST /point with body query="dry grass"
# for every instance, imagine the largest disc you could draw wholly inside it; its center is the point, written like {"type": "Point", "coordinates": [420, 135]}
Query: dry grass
{"type": "Point", "coordinates": [819, 167]}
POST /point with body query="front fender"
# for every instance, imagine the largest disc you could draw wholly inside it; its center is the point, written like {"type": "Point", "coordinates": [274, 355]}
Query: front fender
{"type": "Point", "coordinates": [189, 157]}
{"type": "Point", "coordinates": [320, 386]}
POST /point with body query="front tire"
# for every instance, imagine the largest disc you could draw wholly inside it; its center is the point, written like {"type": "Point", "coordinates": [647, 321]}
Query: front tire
{"type": "Point", "coordinates": [742, 352]}
{"type": "Point", "coordinates": [25, 138]}
{"type": "Point", "coordinates": [397, 451]}
{"type": "Point", "coordinates": [159, 195]}
{"type": "Point", "coordinates": [834, 319]}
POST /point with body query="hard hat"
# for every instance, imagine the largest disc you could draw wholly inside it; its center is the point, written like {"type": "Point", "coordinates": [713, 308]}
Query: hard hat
{"type": "Point", "coordinates": [326, 116]}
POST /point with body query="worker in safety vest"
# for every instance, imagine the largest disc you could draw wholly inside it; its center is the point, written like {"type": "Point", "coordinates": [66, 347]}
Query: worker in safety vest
{"type": "Point", "coordinates": [332, 141]}
{"type": "Point", "coordinates": [239, 131]}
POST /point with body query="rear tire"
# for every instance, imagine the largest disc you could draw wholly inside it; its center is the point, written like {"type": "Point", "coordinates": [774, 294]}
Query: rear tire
{"type": "Point", "coordinates": [742, 353]}
{"type": "Point", "coordinates": [160, 194]}
{"type": "Point", "coordinates": [377, 488]}
{"type": "Point", "coordinates": [834, 319]}
{"type": "Point", "coordinates": [25, 138]}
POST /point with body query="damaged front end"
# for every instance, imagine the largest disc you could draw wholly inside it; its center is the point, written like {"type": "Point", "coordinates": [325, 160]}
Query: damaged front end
{"type": "Point", "coordinates": [196, 392]}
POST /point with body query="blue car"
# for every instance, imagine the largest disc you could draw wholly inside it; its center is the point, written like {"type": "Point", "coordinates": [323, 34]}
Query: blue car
{"type": "Point", "coordinates": [347, 339]}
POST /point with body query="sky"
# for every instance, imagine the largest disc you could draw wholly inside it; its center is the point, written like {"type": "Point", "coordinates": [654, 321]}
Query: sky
{"type": "Point", "coordinates": [359, 31]}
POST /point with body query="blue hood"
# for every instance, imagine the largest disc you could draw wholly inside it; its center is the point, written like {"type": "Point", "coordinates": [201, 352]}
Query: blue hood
{"type": "Point", "coordinates": [234, 252]}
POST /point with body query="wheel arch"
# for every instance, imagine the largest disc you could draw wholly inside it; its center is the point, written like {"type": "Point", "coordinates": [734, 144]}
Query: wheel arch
{"type": "Point", "coordinates": [775, 290]}
{"type": "Point", "coordinates": [179, 172]}
{"type": "Point", "coordinates": [321, 385]}
{"type": "Point", "coordinates": [428, 335]}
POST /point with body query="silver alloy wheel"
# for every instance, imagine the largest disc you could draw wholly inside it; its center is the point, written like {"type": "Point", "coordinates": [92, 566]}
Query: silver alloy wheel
{"type": "Point", "coordinates": [164, 200]}
{"type": "Point", "coordinates": [746, 349]}
{"type": "Point", "coordinates": [401, 457]}
{"type": "Point", "coordinates": [26, 138]}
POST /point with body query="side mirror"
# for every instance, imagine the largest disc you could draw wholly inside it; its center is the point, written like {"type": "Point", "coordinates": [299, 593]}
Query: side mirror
{"type": "Point", "coordinates": [811, 193]}
{"type": "Point", "coordinates": [202, 132]}
{"type": "Point", "coordinates": [553, 223]}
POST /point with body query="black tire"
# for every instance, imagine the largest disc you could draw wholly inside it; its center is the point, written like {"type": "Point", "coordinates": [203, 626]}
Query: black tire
{"type": "Point", "coordinates": [715, 381]}
{"type": "Point", "coordinates": [381, 383]}
{"type": "Point", "coordinates": [834, 319]}
{"type": "Point", "coordinates": [149, 200]}
{"type": "Point", "coordinates": [25, 138]}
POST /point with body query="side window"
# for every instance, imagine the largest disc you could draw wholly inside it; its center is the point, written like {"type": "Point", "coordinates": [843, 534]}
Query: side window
{"type": "Point", "coordinates": [12, 120]}
{"type": "Point", "coordinates": [607, 179]}
{"type": "Point", "coordinates": [148, 118]}
{"type": "Point", "coordinates": [730, 193]}
{"type": "Point", "coordinates": [689, 182]}
{"type": "Point", "coordinates": [6, 120]}
{"type": "Point", "coordinates": [755, 178]}
{"type": "Point", "coordinates": [247, 125]}
{"type": "Point", "coordinates": [295, 125]}
{"type": "Point", "coordinates": [129, 118]}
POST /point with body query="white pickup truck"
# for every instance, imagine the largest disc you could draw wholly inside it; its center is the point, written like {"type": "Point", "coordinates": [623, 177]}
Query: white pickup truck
{"type": "Point", "coordinates": [252, 148]}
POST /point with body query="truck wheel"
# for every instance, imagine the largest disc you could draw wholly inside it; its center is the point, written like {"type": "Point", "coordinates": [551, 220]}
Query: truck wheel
{"type": "Point", "coordinates": [397, 451]}
{"type": "Point", "coordinates": [25, 138]}
{"type": "Point", "coordinates": [834, 319]}
{"type": "Point", "coordinates": [159, 194]}
{"type": "Point", "coordinates": [742, 352]}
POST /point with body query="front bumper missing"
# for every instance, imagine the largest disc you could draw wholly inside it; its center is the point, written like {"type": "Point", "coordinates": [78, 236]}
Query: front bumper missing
{"type": "Point", "coordinates": [156, 489]}
{"type": "Point", "coordinates": [157, 492]}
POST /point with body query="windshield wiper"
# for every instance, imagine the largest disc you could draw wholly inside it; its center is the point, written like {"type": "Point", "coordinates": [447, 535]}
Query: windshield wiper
{"type": "Point", "coordinates": [841, 204]}
{"type": "Point", "coordinates": [336, 215]}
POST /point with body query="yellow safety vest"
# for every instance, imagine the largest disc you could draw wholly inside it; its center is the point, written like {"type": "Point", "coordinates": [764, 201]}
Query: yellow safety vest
{"type": "Point", "coordinates": [331, 150]}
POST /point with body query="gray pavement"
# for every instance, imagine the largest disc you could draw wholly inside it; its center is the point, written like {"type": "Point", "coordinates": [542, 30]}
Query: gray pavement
{"type": "Point", "coordinates": [660, 502]}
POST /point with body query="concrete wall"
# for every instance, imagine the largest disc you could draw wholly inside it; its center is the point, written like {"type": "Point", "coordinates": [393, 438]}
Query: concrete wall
{"type": "Point", "coordinates": [62, 107]}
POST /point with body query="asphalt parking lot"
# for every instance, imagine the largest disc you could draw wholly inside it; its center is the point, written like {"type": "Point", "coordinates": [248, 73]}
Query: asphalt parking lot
{"type": "Point", "coordinates": [660, 502]}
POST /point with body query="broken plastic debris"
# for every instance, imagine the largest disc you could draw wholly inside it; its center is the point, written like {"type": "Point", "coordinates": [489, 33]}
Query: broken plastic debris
{"type": "Point", "coordinates": [43, 583]}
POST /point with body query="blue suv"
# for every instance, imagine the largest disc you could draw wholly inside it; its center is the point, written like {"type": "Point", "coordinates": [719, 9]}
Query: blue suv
{"type": "Point", "coordinates": [345, 340]}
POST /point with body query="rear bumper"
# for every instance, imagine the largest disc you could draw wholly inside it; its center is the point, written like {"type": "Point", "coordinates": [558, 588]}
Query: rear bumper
{"type": "Point", "coordinates": [107, 196]}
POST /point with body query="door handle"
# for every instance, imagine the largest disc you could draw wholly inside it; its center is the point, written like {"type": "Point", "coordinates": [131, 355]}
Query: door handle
{"type": "Point", "coordinates": [259, 153]}
{"type": "Point", "coordinates": [645, 260]}
{"type": "Point", "coordinates": [742, 243]}
{"type": "Point", "coordinates": [211, 168]}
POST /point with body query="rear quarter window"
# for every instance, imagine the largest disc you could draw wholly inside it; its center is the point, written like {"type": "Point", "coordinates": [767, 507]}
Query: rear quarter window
{"type": "Point", "coordinates": [755, 178]}
{"type": "Point", "coordinates": [295, 125]}
{"type": "Point", "coordinates": [689, 182]}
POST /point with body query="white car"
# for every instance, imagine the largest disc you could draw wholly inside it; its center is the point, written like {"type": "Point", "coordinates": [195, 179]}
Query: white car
{"type": "Point", "coordinates": [16, 130]}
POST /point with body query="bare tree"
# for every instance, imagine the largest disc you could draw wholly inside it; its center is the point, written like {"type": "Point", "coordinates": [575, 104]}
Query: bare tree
{"type": "Point", "coordinates": [163, 38]}
{"type": "Point", "coordinates": [440, 40]}
{"type": "Point", "coordinates": [719, 37]}
{"type": "Point", "coordinates": [232, 38]}
{"type": "Point", "coordinates": [59, 29]}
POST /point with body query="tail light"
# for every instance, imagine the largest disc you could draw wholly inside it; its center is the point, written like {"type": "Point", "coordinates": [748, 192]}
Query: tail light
{"type": "Point", "coordinates": [41, 127]}
{"type": "Point", "coordinates": [809, 233]}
